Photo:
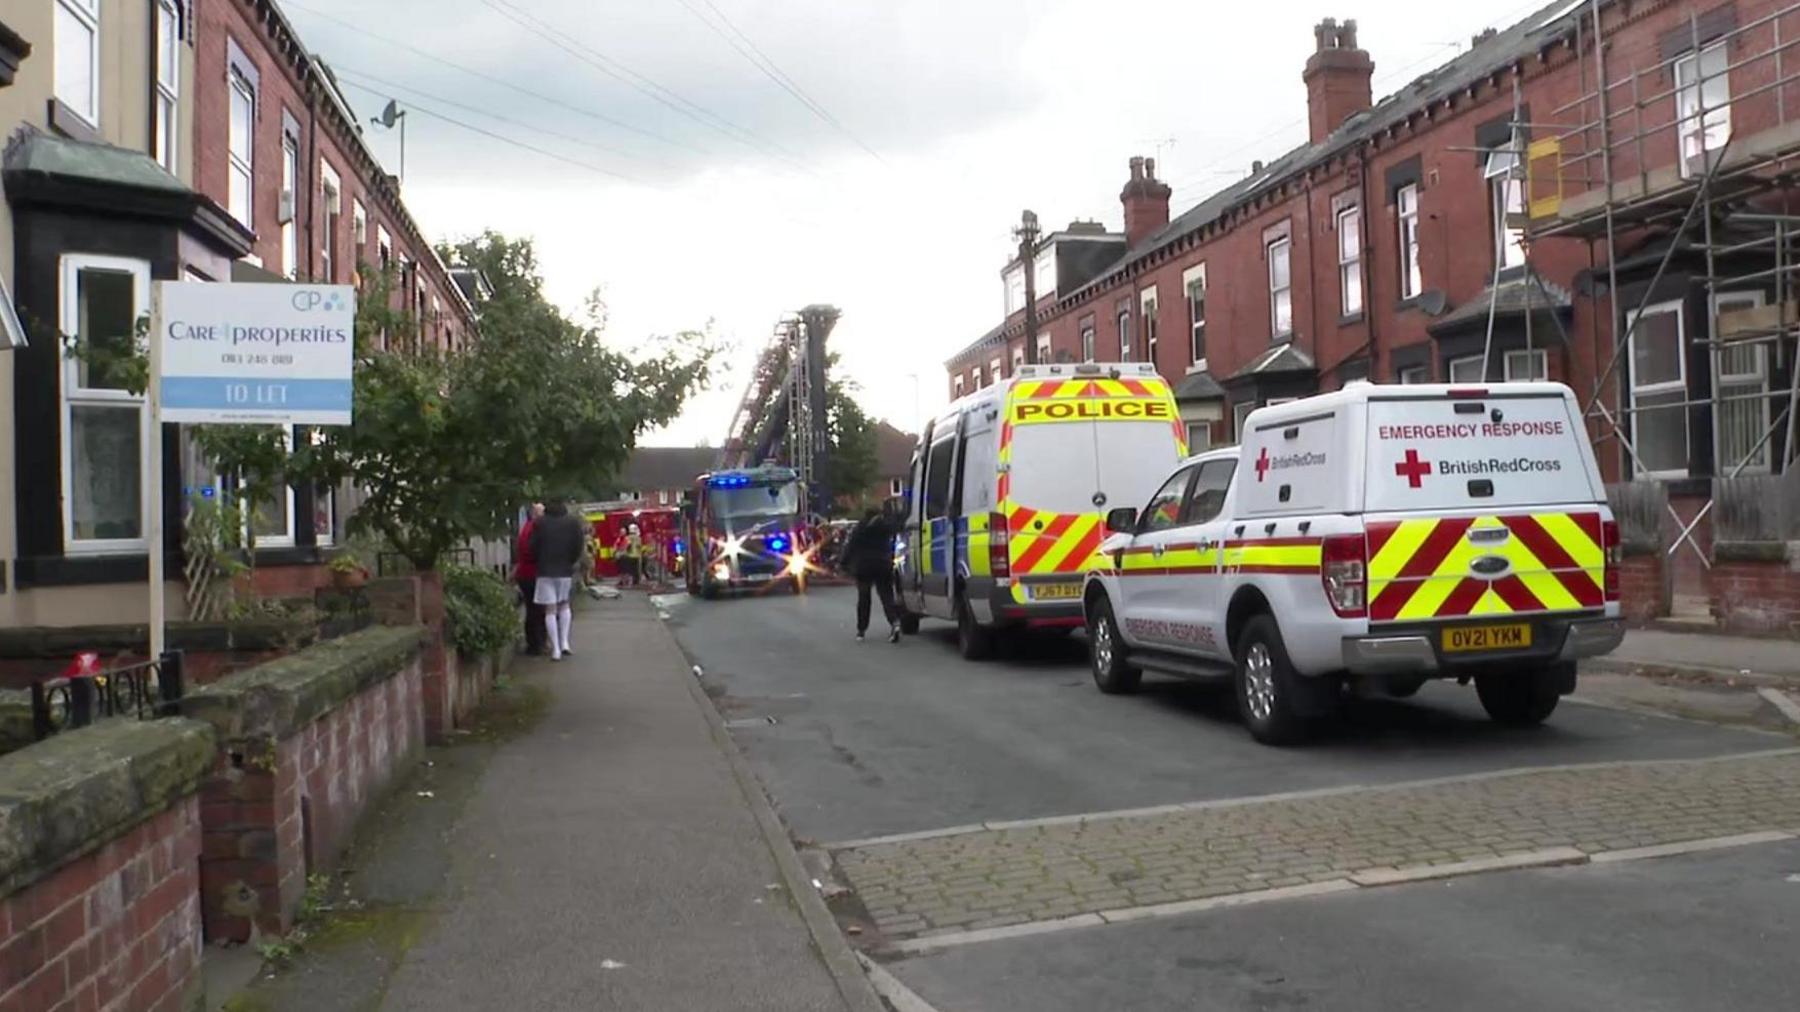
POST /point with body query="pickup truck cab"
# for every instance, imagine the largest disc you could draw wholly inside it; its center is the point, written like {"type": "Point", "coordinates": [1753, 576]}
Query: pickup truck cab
{"type": "Point", "coordinates": [1370, 538]}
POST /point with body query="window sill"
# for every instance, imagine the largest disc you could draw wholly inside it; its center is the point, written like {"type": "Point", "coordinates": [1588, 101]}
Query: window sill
{"type": "Point", "coordinates": [1350, 319]}
{"type": "Point", "coordinates": [1411, 302]}
{"type": "Point", "coordinates": [71, 124]}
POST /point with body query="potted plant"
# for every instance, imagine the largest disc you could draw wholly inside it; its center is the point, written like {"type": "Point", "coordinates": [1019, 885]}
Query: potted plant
{"type": "Point", "coordinates": [347, 570]}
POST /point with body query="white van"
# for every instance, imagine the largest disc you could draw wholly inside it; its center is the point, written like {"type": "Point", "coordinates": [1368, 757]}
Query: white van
{"type": "Point", "coordinates": [1009, 489]}
{"type": "Point", "coordinates": [1379, 534]}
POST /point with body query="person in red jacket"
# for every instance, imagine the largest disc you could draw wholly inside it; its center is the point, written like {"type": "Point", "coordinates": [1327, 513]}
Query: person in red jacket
{"type": "Point", "coordinates": [525, 574]}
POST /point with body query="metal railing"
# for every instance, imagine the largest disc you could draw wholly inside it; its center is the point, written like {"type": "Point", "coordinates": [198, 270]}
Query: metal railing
{"type": "Point", "coordinates": [145, 691]}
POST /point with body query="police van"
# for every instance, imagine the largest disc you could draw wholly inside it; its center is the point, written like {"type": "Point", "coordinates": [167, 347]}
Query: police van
{"type": "Point", "coordinates": [1371, 538]}
{"type": "Point", "coordinates": [1010, 485]}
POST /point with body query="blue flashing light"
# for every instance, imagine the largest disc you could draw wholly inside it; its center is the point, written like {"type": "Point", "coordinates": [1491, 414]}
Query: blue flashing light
{"type": "Point", "coordinates": [778, 543]}
{"type": "Point", "coordinates": [729, 481]}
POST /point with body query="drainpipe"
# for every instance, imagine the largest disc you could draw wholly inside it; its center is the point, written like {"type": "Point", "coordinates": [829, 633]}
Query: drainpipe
{"type": "Point", "coordinates": [311, 167]}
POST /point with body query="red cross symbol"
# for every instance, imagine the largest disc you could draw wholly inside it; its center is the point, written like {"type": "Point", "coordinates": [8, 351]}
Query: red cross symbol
{"type": "Point", "coordinates": [1262, 464]}
{"type": "Point", "coordinates": [1412, 469]}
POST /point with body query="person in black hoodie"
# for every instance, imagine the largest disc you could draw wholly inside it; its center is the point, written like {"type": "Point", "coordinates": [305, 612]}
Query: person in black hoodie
{"type": "Point", "coordinates": [556, 543]}
{"type": "Point", "coordinates": [869, 556]}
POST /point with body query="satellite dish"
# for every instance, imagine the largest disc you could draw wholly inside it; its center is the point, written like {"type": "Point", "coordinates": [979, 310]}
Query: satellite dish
{"type": "Point", "coordinates": [1433, 302]}
{"type": "Point", "coordinates": [390, 114]}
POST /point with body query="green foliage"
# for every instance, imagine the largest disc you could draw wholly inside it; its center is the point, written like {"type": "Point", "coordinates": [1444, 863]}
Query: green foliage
{"type": "Point", "coordinates": [853, 463]}
{"type": "Point", "coordinates": [482, 608]}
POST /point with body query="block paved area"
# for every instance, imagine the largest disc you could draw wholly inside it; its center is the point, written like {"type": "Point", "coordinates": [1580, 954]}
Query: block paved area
{"type": "Point", "coordinates": [1000, 877]}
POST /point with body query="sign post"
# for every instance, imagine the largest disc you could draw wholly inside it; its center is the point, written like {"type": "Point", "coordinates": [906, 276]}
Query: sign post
{"type": "Point", "coordinates": [242, 354]}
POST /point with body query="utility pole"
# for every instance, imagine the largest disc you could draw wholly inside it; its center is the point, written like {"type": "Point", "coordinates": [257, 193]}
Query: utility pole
{"type": "Point", "coordinates": [1027, 233]}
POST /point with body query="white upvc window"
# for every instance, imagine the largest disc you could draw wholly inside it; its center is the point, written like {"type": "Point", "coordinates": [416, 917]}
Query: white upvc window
{"type": "Point", "coordinates": [324, 502]}
{"type": "Point", "coordinates": [1349, 251]}
{"type": "Point", "coordinates": [1527, 365]}
{"type": "Point", "coordinates": [1467, 369]}
{"type": "Point", "coordinates": [1087, 341]}
{"type": "Point", "coordinates": [1240, 412]}
{"type": "Point", "coordinates": [1193, 284]}
{"type": "Point", "coordinates": [1506, 200]}
{"type": "Point", "coordinates": [105, 427]}
{"type": "Point", "coordinates": [956, 385]}
{"type": "Point", "coordinates": [77, 58]}
{"type": "Point", "coordinates": [290, 189]}
{"type": "Point", "coordinates": [272, 519]}
{"type": "Point", "coordinates": [1043, 348]}
{"type": "Point", "coordinates": [1412, 375]}
{"type": "Point", "coordinates": [1406, 204]}
{"type": "Point", "coordinates": [1659, 414]}
{"type": "Point", "coordinates": [1018, 358]}
{"type": "Point", "coordinates": [1741, 407]}
{"type": "Point", "coordinates": [1015, 290]}
{"type": "Point", "coordinates": [167, 139]}
{"type": "Point", "coordinates": [896, 488]}
{"type": "Point", "coordinates": [332, 203]}
{"type": "Point", "coordinates": [1124, 321]}
{"type": "Point", "coordinates": [240, 150]}
{"type": "Point", "coordinates": [1147, 313]}
{"type": "Point", "coordinates": [1702, 105]}
{"type": "Point", "coordinates": [1199, 437]}
{"type": "Point", "coordinates": [1281, 287]}
{"type": "Point", "coordinates": [994, 368]}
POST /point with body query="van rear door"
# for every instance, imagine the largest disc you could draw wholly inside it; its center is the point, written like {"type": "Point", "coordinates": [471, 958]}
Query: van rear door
{"type": "Point", "coordinates": [1479, 503]}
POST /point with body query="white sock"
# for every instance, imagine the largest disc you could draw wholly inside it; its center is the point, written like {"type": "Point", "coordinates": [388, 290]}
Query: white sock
{"type": "Point", "coordinates": [567, 614]}
{"type": "Point", "coordinates": [555, 638]}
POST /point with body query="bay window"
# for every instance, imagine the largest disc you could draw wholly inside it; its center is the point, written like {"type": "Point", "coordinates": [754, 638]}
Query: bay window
{"type": "Point", "coordinates": [1659, 414]}
{"type": "Point", "coordinates": [1467, 369]}
{"type": "Point", "coordinates": [1741, 413]}
{"type": "Point", "coordinates": [1528, 365]}
{"type": "Point", "coordinates": [1406, 203]}
{"type": "Point", "coordinates": [1412, 375]}
{"type": "Point", "coordinates": [77, 58]}
{"type": "Point", "coordinates": [105, 428]}
{"type": "Point", "coordinates": [1281, 288]}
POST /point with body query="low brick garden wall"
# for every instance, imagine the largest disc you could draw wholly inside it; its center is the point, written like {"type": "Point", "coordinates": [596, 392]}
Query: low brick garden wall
{"type": "Point", "coordinates": [210, 650]}
{"type": "Point", "coordinates": [1646, 585]}
{"type": "Point", "coordinates": [1754, 587]}
{"type": "Point", "coordinates": [307, 743]}
{"type": "Point", "coordinates": [99, 838]}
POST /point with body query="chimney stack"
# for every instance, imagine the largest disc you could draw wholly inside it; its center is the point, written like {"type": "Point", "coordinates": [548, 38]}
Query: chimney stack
{"type": "Point", "coordinates": [1337, 78]}
{"type": "Point", "coordinates": [1146, 201]}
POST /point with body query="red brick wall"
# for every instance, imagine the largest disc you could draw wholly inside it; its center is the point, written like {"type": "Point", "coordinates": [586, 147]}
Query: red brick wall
{"type": "Point", "coordinates": [1643, 591]}
{"type": "Point", "coordinates": [273, 815]}
{"type": "Point", "coordinates": [1756, 597]}
{"type": "Point", "coordinates": [118, 928]}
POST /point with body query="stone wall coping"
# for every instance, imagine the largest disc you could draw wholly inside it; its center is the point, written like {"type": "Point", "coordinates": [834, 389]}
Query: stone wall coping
{"type": "Point", "coordinates": [32, 642]}
{"type": "Point", "coordinates": [274, 699]}
{"type": "Point", "coordinates": [1637, 548]}
{"type": "Point", "coordinates": [1756, 551]}
{"type": "Point", "coordinates": [70, 794]}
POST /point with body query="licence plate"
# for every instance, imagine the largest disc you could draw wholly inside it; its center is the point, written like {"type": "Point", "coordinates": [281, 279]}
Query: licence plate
{"type": "Point", "coordinates": [1462, 639]}
{"type": "Point", "coordinates": [1054, 591]}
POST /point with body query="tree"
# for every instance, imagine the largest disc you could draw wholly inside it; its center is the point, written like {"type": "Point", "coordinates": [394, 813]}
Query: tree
{"type": "Point", "coordinates": [853, 464]}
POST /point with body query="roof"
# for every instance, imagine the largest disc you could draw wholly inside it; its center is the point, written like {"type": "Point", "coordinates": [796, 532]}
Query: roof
{"type": "Point", "coordinates": [1513, 297]}
{"type": "Point", "coordinates": [1283, 358]}
{"type": "Point", "coordinates": [991, 337]}
{"type": "Point", "coordinates": [51, 155]}
{"type": "Point", "coordinates": [1199, 386]}
{"type": "Point", "coordinates": [893, 450]}
{"type": "Point", "coordinates": [658, 467]}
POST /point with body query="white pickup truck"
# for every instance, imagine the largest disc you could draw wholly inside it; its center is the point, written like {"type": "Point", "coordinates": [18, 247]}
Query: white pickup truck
{"type": "Point", "coordinates": [1370, 538]}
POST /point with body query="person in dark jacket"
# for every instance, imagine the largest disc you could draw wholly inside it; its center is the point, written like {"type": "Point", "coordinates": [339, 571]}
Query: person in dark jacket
{"type": "Point", "coordinates": [869, 556]}
{"type": "Point", "coordinates": [556, 543]}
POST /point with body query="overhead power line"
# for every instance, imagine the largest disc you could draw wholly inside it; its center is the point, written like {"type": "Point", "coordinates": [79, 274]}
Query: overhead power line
{"type": "Point", "coordinates": [613, 68]}
{"type": "Point", "coordinates": [749, 50]}
{"type": "Point", "coordinates": [491, 79]}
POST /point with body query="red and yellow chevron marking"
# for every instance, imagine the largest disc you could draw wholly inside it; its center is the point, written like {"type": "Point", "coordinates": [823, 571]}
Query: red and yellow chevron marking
{"type": "Point", "coordinates": [1058, 388]}
{"type": "Point", "coordinates": [1420, 569]}
{"type": "Point", "coordinates": [1044, 543]}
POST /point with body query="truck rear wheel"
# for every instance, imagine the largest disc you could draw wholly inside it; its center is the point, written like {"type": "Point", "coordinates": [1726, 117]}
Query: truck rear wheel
{"type": "Point", "coordinates": [974, 642]}
{"type": "Point", "coordinates": [1114, 673]}
{"type": "Point", "coordinates": [1267, 685]}
{"type": "Point", "coordinates": [1520, 698]}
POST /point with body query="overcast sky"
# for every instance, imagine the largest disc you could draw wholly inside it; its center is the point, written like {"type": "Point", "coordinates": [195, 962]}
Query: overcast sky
{"type": "Point", "coordinates": [690, 186]}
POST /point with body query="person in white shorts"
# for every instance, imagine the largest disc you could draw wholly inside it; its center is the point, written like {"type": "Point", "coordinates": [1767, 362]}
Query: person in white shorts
{"type": "Point", "coordinates": [556, 542]}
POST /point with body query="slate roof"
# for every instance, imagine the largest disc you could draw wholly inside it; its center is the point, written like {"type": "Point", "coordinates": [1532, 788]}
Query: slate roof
{"type": "Point", "coordinates": [59, 157]}
{"type": "Point", "coordinates": [658, 467]}
{"type": "Point", "coordinates": [1513, 298]}
{"type": "Point", "coordinates": [1283, 358]}
{"type": "Point", "coordinates": [1199, 386]}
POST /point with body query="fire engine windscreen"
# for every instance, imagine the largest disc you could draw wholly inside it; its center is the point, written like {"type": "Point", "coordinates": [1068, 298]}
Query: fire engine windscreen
{"type": "Point", "coordinates": [752, 501]}
{"type": "Point", "coordinates": [1057, 468]}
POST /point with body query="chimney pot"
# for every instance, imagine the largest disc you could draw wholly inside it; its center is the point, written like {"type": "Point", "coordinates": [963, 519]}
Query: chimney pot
{"type": "Point", "coordinates": [1338, 78]}
{"type": "Point", "coordinates": [1137, 167]}
{"type": "Point", "coordinates": [1150, 169]}
{"type": "Point", "coordinates": [1146, 201]}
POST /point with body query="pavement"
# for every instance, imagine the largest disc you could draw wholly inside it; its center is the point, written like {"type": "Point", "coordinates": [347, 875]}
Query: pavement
{"type": "Point", "coordinates": [1769, 661]}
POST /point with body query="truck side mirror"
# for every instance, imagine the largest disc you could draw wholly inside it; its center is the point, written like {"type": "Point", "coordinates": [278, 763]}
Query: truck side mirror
{"type": "Point", "coordinates": [1122, 519]}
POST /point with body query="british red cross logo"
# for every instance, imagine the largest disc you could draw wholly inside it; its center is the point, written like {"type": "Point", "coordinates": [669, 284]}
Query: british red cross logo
{"type": "Point", "coordinates": [1262, 465]}
{"type": "Point", "coordinates": [1412, 468]}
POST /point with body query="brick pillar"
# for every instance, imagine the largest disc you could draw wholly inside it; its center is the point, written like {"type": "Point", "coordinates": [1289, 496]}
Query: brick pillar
{"type": "Point", "coordinates": [437, 659]}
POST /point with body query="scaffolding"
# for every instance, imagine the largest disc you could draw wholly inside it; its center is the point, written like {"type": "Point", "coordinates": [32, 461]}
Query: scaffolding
{"type": "Point", "coordinates": [1694, 152]}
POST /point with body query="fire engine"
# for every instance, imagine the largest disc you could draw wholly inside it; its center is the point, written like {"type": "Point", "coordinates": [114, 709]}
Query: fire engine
{"type": "Point", "coordinates": [746, 527]}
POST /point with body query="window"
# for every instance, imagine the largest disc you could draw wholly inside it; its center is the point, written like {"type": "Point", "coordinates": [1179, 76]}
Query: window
{"type": "Point", "coordinates": [1281, 288]}
{"type": "Point", "coordinates": [1239, 414]}
{"type": "Point", "coordinates": [1199, 437]}
{"type": "Point", "coordinates": [1018, 359]}
{"type": "Point", "coordinates": [956, 386]}
{"type": "Point", "coordinates": [104, 426]}
{"type": "Point", "coordinates": [1506, 198]}
{"type": "Point", "coordinates": [324, 502]}
{"type": "Point", "coordinates": [1741, 412]}
{"type": "Point", "coordinates": [1532, 364]}
{"type": "Point", "coordinates": [1411, 375]}
{"type": "Point", "coordinates": [1349, 246]}
{"type": "Point", "coordinates": [937, 479]}
{"type": "Point", "coordinates": [1147, 312]}
{"type": "Point", "coordinates": [1465, 370]}
{"type": "Point", "coordinates": [1043, 348]}
{"type": "Point", "coordinates": [1702, 106]}
{"type": "Point", "coordinates": [896, 488]}
{"type": "Point", "coordinates": [1163, 511]}
{"type": "Point", "coordinates": [993, 369]}
{"type": "Point", "coordinates": [334, 209]}
{"type": "Point", "coordinates": [1659, 416]}
{"type": "Point", "coordinates": [1015, 290]}
{"type": "Point", "coordinates": [271, 520]}
{"type": "Point", "coordinates": [241, 187]}
{"type": "Point", "coordinates": [1124, 330]}
{"type": "Point", "coordinates": [290, 186]}
{"type": "Point", "coordinates": [1193, 281]}
{"type": "Point", "coordinates": [359, 226]}
{"type": "Point", "coordinates": [1087, 339]}
{"type": "Point", "coordinates": [1412, 280]}
{"type": "Point", "coordinates": [166, 141]}
{"type": "Point", "coordinates": [78, 57]}
{"type": "Point", "coordinates": [1207, 499]}
{"type": "Point", "coordinates": [975, 378]}
{"type": "Point", "coordinates": [384, 246]}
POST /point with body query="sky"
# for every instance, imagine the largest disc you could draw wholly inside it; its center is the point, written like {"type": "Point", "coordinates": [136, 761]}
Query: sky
{"type": "Point", "coordinates": [718, 163]}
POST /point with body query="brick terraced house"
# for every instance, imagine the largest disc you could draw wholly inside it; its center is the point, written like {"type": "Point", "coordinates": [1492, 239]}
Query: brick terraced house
{"type": "Point", "coordinates": [1503, 192]}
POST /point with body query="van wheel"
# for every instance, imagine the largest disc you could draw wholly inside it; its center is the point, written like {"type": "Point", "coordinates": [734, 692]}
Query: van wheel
{"type": "Point", "coordinates": [1113, 670]}
{"type": "Point", "coordinates": [909, 623]}
{"type": "Point", "coordinates": [974, 642]}
{"type": "Point", "coordinates": [1267, 686]}
{"type": "Point", "coordinates": [1518, 698]}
